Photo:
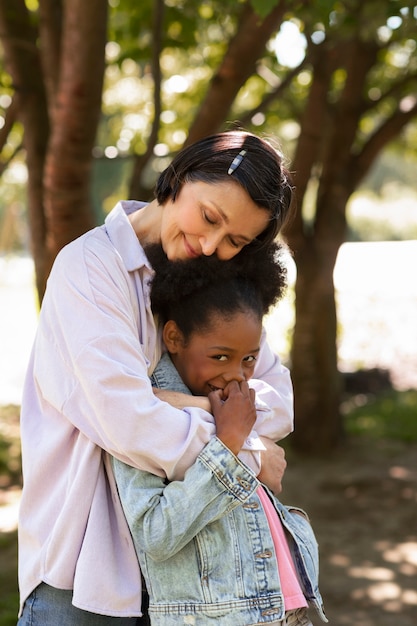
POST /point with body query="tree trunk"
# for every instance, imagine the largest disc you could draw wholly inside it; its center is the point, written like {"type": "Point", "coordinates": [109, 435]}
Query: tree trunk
{"type": "Point", "coordinates": [75, 116]}
{"type": "Point", "coordinates": [314, 352]}
{"type": "Point", "coordinates": [22, 60]}
{"type": "Point", "coordinates": [314, 366]}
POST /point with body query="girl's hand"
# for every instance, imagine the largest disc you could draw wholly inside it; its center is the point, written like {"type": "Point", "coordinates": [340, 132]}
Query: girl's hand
{"type": "Point", "coordinates": [234, 412]}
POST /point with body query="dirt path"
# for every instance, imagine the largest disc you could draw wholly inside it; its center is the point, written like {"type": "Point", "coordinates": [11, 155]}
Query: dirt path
{"type": "Point", "coordinates": [363, 507]}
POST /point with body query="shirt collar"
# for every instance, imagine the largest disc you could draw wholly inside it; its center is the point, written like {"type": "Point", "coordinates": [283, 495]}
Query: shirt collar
{"type": "Point", "coordinates": [123, 237]}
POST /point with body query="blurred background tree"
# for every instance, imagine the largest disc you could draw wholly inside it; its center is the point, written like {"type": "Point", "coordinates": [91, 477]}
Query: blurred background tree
{"type": "Point", "coordinates": [54, 53]}
{"type": "Point", "coordinates": [97, 96]}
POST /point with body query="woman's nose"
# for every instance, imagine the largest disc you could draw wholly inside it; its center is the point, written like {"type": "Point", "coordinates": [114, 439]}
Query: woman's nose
{"type": "Point", "coordinates": [209, 244]}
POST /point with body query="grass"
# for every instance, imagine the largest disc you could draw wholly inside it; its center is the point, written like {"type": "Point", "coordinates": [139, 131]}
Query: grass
{"type": "Point", "coordinates": [10, 477]}
{"type": "Point", "coordinates": [9, 597]}
{"type": "Point", "coordinates": [388, 415]}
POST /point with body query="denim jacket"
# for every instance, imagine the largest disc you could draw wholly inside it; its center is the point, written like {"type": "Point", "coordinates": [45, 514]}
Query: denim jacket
{"type": "Point", "coordinates": [204, 544]}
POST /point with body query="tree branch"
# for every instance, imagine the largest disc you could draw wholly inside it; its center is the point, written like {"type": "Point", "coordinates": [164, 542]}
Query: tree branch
{"type": "Point", "coordinates": [382, 136]}
{"type": "Point", "coordinates": [50, 30]}
{"type": "Point", "coordinates": [238, 64]}
{"type": "Point", "coordinates": [9, 120]}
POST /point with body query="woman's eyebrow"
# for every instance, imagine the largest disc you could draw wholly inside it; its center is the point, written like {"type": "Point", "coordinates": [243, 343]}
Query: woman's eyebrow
{"type": "Point", "coordinates": [226, 219]}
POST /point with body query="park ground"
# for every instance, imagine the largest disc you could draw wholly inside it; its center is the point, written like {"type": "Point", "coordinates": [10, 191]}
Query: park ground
{"type": "Point", "coordinates": [362, 502]}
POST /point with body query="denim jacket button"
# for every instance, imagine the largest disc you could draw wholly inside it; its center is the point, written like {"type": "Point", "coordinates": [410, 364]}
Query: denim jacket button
{"type": "Point", "coordinates": [264, 555]}
{"type": "Point", "coordinates": [251, 505]}
{"type": "Point", "coordinates": [244, 483]}
{"type": "Point", "coordinates": [270, 612]}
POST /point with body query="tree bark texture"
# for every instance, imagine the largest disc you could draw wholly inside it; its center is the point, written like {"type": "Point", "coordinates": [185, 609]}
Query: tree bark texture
{"type": "Point", "coordinates": [74, 118]}
{"type": "Point", "coordinates": [23, 63]}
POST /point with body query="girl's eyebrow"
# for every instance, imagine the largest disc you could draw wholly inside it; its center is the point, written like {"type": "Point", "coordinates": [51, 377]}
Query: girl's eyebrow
{"type": "Point", "coordinates": [229, 349]}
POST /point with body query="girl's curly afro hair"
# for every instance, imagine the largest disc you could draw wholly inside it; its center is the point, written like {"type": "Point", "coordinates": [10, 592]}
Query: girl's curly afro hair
{"type": "Point", "coordinates": [190, 292]}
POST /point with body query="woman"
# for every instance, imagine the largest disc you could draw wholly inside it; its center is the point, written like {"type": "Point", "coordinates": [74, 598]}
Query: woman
{"type": "Point", "coordinates": [87, 387]}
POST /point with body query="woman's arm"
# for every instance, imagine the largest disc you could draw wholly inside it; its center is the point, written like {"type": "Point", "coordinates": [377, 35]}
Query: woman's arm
{"type": "Point", "coordinates": [95, 341]}
{"type": "Point", "coordinates": [273, 465]}
{"type": "Point", "coordinates": [273, 385]}
{"type": "Point", "coordinates": [181, 400]}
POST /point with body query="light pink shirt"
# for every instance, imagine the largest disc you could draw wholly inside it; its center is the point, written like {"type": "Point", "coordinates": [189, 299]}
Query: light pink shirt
{"type": "Point", "coordinates": [87, 390]}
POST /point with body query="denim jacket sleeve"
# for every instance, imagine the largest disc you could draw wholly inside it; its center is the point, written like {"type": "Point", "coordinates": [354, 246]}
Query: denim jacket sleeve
{"type": "Point", "coordinates": [164, 517]}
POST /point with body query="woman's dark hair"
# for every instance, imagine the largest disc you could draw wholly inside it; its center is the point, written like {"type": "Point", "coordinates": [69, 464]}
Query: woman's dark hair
{"type": "Point", "coordinates": [191, 292]}
{"type": "Point", "coordinates": [261, 173]}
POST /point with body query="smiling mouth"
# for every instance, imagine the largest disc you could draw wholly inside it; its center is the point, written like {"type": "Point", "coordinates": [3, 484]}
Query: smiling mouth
{"type": "Point", "coordinates": [193, 254]}
{"type": "Point", "coordinates": [213, 388]}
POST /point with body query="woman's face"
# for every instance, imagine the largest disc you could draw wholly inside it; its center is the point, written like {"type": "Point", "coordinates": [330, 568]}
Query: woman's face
{"type": "Point", "coordinates": [211, 359]}
{"type": "Point", "coordinates": [205, 219]}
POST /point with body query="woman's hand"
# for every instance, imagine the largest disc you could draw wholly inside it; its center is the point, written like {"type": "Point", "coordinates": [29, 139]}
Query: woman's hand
{"type": "Point", "coordinates": [180, 400]}
{"type": "Point", "coordinates": [273, 466]}
{"type": "Point", "coordinates": [234, 411]}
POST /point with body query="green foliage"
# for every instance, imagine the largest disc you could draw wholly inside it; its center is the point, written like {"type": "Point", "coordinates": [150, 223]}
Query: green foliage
{"type": "Point", "coordinates": [390, 415]}
{"type": "Point", "coordinates": [195, 36]}
{"type": "Point", "coordinates": [263, 7]}
{"type": "Point", "coordinates": [10, 461]}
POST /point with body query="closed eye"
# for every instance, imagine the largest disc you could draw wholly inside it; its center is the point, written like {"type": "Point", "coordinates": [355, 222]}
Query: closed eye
{"type": "Point", "coordinates": [236, 244]}
{"type": "Point", "coordinates": [209, 218]}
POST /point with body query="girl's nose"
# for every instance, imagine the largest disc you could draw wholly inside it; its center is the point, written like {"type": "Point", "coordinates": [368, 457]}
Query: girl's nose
{"type": "Point", "coordinates": [234, 373]}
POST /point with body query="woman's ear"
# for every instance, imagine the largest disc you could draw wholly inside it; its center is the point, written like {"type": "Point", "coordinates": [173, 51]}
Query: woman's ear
{"type": "Point", "coordinates": [172, 337]}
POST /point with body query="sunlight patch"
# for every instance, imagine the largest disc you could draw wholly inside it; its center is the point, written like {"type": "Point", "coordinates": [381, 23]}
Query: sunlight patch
{"type": "Point", "coordinates": [403, 552]}
{"type": "Point", "coordinates": [340, 560]}
{"type": "Point", "coordinates": [371, 573]}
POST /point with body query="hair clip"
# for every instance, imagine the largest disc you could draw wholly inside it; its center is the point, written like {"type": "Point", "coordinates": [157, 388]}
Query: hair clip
{"type": "Point", "coordinates": [236, 162]}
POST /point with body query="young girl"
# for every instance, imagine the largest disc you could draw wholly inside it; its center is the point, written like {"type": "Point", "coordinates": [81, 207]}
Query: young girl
{"type": "Point", "coordinates": [218, 547]}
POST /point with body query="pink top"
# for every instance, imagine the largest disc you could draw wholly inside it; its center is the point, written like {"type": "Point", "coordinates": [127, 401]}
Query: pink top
{"type": "Point", "coordinates": [291, 590]}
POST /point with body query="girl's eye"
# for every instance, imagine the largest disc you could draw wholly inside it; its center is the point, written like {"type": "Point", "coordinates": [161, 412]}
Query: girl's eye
{"type": "Point", "coordinates": [250, 359]}
{"type": "Point", "coordinates": [220, 357]}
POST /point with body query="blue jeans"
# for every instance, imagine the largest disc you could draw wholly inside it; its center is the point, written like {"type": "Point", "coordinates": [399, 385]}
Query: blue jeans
{"type": "Point", "coordinates": [47, 606]}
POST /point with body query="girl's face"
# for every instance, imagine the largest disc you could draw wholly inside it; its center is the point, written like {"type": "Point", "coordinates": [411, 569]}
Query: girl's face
{"type": "Point", "coordinates": [218, 218]}
{"type": "Point", "coordinates": [226, 351]}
